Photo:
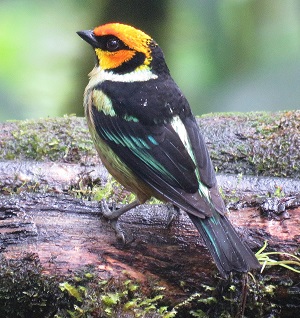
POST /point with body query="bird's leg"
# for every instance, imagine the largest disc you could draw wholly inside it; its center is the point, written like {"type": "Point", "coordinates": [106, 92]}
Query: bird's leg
{"type": "Point", "coordinates": [116, 213]}
{"type": "Point", "coordinates": [113, 215]}
{"type": "Point", "coordinates": [173, 212]}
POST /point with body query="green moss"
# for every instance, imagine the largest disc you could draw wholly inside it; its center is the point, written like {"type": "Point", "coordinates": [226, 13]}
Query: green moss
{"type": "Point", "coordinates": [259, 143]}
{"type": "Point", "coordinates": [275, 143]}
{"type": "Point", "coordinates": [25, 291]}
{"type": "Point", "coordinates": [59, 139]}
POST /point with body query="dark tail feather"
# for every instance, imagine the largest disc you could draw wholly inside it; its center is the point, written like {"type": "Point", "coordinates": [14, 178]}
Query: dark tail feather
{"type": "Point", "coordinates": [224, 244]}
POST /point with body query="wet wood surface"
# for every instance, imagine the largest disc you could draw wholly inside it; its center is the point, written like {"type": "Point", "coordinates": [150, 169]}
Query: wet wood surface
{"type": "Point", "coordinates": [68, 233]}
{"type": "Point", "coordinates": [41, 216]}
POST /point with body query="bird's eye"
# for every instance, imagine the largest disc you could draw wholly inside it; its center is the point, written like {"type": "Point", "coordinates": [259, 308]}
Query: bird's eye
{"type": "Point", "coordinates": [113, 44]}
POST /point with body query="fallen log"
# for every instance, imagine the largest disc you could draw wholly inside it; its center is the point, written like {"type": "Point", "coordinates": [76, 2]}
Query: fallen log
{"type": "Point", "coordinates": [60, 177]}
{"type": "Point", "coordinates": [251, 144]}
{"type": "Point", "coordinates": [71, 233]}
{"type": "Point", "coordinates": [55, 234]}
{"type": "Point", "coordinates": [67, 235]}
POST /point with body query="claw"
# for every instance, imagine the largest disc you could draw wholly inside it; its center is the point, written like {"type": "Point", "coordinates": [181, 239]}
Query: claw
{"type": "Point", "coordinates": [173, 213]}
{"type": "Point", "coordinates": [108, 213]}
{"type": "Point", "coordinates": [113, 214]}
{"type": "Point", "coordinates": [120, 235]}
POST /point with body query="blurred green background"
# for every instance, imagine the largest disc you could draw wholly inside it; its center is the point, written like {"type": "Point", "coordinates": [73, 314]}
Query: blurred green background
{"type": "Point", "coordinates": [226, 55]}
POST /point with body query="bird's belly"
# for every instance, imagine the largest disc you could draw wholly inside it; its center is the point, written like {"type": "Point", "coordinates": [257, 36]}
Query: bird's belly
{"type": "Point", "coordinates": [121, 172]}
{"type": "Point", "coordinates": [115, 166]}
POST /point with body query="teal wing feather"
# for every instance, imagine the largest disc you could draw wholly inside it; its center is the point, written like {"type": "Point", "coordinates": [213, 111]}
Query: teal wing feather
{"type": "Point", "coordinates": [165, 149]}
{"type": "Point", "coordinates": [157, 155]}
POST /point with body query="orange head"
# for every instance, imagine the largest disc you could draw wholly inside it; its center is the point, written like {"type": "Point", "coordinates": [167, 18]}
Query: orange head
{"type": "Point", "coordinates": [120, 47]}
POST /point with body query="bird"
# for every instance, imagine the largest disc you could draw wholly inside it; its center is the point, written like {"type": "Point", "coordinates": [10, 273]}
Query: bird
{"type": "Point", "coordinates": [147, 137]}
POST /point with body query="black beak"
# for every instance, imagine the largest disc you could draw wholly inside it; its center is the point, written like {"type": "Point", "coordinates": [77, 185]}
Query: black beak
{"type": "Point", "coordinates": [89, 37]}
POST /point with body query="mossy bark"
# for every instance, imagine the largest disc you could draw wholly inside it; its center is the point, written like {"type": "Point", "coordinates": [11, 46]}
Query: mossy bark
{"type": "Point", "coordinates": [50, 223]}
{"type": "Point", "coordinates": [252, 144]}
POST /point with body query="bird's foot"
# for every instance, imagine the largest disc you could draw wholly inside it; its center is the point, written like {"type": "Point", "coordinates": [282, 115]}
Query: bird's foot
{"type": "Point", "coordinates": [109, 213]}
{"type": "Point", "coordinates": [120, 234]}
{"type": "Point", "coordinates": [173, 213]}
{"type": "Point", "coordinates": [112, 215]}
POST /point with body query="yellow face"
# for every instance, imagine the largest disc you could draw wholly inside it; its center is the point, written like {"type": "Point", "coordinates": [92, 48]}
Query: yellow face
{"type": "Point", "coordinates": [135, 40]}
{"type": "Point", "coordinates": [108, 60]}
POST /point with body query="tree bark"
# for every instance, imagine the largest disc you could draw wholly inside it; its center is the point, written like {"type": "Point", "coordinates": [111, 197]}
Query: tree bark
{"type": "Point", "coordinates": [264, 144]}
{"type": "Point", "coordinates": [72, 233]}
{"type": "Point", "coordinates": [40, 214]}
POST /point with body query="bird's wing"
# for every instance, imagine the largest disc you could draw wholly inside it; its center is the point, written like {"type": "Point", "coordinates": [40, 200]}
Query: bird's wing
{"type": "Point", "coordinates": [161, 158]}
{"type": "Point", "coordinates": [205, 167]}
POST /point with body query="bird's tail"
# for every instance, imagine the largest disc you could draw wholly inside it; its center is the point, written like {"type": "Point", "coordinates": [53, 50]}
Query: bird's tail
{"type": "Point", "coordinates": [224, 244]}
